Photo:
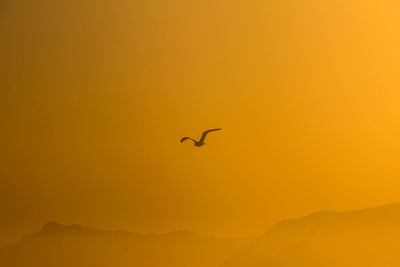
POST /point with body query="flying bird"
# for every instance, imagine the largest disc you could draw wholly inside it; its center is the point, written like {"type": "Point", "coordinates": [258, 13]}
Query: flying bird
{"type": "Point", "coordinates": [203, 136]}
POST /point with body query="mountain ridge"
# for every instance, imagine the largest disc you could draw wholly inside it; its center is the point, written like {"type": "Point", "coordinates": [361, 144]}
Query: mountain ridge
{"type": "Point", "coordinates": [326, 236]}
{"type": "Point", "coordinates": [58, 245]}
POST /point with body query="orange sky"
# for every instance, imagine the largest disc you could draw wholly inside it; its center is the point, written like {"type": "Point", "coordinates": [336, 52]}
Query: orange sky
{"type": "Point", "coordinates": [95, 95]}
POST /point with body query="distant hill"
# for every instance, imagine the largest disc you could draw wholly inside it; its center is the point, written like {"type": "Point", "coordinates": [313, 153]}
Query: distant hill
{"type": "Point", "coordinates": [364, 238]}
{"type": "Point", "coordinates": [367, 238]}
{"type": "Point", "coordinates": [58, 245]}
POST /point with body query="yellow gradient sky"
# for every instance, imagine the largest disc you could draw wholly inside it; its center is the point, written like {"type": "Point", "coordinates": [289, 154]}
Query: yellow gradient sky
{"type": "Point", "coordinates": [95, 95]}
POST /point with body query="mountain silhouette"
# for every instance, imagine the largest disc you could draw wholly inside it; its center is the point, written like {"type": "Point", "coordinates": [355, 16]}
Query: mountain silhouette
{"type": "Point", "coordinates": [369, 237]}
{"type": "Point", "coordinates": [57, 245]}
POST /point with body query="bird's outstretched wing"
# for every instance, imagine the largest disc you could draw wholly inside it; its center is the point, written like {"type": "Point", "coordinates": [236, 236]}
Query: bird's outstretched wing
{"type": "Point", "coordinates": [186, 138]}
{"type": "Point", "coordinates": [203, 136]}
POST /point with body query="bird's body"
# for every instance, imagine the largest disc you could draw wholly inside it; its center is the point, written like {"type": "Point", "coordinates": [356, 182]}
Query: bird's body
{"type": "Point", "coordinates": [203, 137]}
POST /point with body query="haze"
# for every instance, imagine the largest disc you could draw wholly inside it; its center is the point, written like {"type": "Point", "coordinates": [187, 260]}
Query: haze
{"type": "Point", "coordinates": [95, 95]}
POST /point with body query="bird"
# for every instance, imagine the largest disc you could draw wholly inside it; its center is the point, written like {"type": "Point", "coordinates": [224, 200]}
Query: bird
{"type": "Point", "coordinates": [203, 136]}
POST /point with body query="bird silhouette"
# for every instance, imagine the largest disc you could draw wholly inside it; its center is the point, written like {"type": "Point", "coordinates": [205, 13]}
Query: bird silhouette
{"type": "Point", "coordinates": [203, 136]}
